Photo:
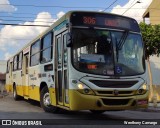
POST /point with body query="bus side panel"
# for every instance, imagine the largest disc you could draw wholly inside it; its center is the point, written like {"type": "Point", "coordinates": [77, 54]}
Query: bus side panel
{"type": "Point", "coordinates": [9, 81]}
{"type": "Point", "coordinates": [8, 85]}
{"type": "Point", "coordinates": [17, 79]}
{"type": "Point", "coordinates": [53, 96]}
{"type": "Point", "coordinates": [34, 83]}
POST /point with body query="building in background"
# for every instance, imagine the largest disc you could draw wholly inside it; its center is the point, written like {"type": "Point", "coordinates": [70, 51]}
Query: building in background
{"type": "Point", "coordinates": [152, 16]}
{"type": "Point", "coordinates": [3, 65]}
{"type": "Point", "coordinates": [152, 13]}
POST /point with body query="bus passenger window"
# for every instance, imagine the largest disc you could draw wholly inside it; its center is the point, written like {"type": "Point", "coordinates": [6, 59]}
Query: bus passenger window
{"type": "Point", "coordinates": [46, 54]}
{"type": "Point", "coordinates": [26, 64]}
{"type": "Point", "coordinates": [20, 61]}
{"type": "Point", "coordinates": [35, 53]}
{"type": "Point", "coordinates": [15, 63]}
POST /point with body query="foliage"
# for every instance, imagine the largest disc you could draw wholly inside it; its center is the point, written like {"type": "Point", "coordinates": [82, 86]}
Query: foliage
{"type": "Point", "coordinates": [151, 38]}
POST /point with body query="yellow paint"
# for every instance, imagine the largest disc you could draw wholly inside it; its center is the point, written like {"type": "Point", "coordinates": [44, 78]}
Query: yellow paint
{"type": "Point", "coordinates": [52, 96]}
{"type": "Point", "coordinates": [9, 88]}
{"type": "Point", "coordinates": [19, 90]}
{"type": "Point", "coordinates": [26, 91]}
{"type": "Point", "coordinates": [54, 101]}
{"type": "Point", "coordinates": [80, 101]}
{"type": "Point", "coordinates": [34, 93]}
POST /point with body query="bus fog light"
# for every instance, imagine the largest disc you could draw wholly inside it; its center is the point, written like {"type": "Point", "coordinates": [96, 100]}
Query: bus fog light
{"type": "Point", "coordinates": [143, 89]}
{"type": "Point", "coordinates": [86, 90]}
{"type": "Point", "coordinates": [140, 91]}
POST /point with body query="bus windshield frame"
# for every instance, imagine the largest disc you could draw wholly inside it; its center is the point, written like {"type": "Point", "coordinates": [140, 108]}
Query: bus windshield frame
{"type": "Point", "coordinates": [100, 52]}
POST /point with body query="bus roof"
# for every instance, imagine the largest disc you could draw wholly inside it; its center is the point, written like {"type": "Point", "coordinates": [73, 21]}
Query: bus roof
{"type": "Point", "coordinates": [64, 17]}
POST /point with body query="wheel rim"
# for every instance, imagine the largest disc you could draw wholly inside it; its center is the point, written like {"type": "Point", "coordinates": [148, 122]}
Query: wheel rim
{"type": "Point", "coordinates": [46, 99]}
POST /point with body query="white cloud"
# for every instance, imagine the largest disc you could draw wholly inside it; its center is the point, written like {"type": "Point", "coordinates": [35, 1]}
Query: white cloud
{"type": "Point", "coordinates": [5, 6]}
{"type": "Point", "coordinates": [7, 55]}
{"type": "Point", "coordinates": [60, 14]}
{"type": "Point", "coordinates": [133, 9]}
{"type": "Point", "coordinates": [17, 36]}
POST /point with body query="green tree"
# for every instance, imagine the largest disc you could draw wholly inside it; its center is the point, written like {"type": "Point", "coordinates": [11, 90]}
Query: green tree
{"type": "Point", "coordinates": [151, 39]}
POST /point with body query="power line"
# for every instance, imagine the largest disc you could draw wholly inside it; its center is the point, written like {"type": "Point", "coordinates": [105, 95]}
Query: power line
{"type": "Point", "coordinates": [68, 7]}
{"type": "Point", "coordinates": [13, 39]}
{"type": "Point", "coordinates": [26, 21]}
{"type": "Point", "coordinates": [130, 7]}
{"type": "Point", "coordinates": [49, 6]}
{"type": "Point", "coordinates": [133, 2]}
{"type": "Point", "coordinates": [24, 17]}
{"type": "Point", "coordinates": [25, 13]}
{"type": "Point", "coordinates": [110, 5]}
{"type": "Point", "coordinates": [25, 25]}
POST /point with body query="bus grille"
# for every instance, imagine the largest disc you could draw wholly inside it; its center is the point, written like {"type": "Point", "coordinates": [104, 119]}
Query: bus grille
{"type": "Point", "coordinates": [113, 84]}
{"type": "Point", "coordinates": [115, 101]}
{"type": "Point", "coordinates": [111, 92]}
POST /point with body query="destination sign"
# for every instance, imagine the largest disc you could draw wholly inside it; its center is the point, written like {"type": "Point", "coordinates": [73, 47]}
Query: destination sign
{"type": "Point", "coordinates": [103, 20]}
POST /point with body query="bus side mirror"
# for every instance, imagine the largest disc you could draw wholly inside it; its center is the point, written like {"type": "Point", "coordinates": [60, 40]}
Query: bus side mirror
{"type": "Point", "coordinates": [69, 40]}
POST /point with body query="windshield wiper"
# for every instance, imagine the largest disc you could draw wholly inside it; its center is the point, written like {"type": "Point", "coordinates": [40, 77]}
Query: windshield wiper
{"type": "Point", "coordinates": [121, 43]}
{"type": "Point", "coordinates": [122, 40]}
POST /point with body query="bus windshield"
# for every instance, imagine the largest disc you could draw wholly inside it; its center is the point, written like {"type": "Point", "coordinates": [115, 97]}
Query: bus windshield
{"type": "Point", "coordinates": [107, 52]}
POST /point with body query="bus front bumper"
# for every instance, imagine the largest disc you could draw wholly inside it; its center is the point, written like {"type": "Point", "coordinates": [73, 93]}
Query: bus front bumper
{"type": "Point", "coordinates": [79, 101]}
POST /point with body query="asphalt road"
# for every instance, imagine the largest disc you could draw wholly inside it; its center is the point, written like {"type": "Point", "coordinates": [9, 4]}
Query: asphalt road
{"type": "Point", "coordinates": [23, 109]}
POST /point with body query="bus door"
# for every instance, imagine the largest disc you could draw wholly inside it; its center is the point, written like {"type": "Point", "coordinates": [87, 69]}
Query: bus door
{"type": "Point", "coordinates": [25, 82]}
{"type": "Point", "coordinates": [10, 76]}
{"type": "Point", "coordinates": [61, 70]}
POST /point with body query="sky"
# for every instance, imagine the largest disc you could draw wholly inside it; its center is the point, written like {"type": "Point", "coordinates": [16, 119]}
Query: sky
{"type": "Point", "coordinates": [46, 12]}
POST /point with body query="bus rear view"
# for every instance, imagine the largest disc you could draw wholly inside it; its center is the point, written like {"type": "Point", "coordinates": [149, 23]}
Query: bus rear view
{"type": "Point", "coordinates": [107, 70]}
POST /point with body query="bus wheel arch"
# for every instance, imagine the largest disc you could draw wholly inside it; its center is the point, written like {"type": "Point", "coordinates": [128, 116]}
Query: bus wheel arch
{"type": "Point", "coordinates": [15, 95]}
{"type": "Point", "coordinates": [45, 99]}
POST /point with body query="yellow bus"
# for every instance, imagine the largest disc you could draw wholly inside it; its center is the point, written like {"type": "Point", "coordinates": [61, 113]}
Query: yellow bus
{"type": "Point", "coordinates": [84, 61]}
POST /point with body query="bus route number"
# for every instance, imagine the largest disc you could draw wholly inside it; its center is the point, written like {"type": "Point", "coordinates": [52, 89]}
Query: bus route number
{"type": "Point", "coordinates": [89, 20]}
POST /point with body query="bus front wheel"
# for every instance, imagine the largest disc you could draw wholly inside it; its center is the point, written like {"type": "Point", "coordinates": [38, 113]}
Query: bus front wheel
{"type": "Point", "coordinates": [45, 101]}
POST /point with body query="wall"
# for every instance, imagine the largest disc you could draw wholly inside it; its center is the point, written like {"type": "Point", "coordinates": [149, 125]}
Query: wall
{"type": "Point", "coordinates": [153, 12]}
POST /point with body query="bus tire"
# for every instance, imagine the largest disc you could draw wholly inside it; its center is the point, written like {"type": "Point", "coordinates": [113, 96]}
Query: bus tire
{"type": "Point", "coordinates": [97, 111]}
{"type": "Point", "coordinates": [45, 101]}
{"type": "Point", "coordinates": [15, 95]}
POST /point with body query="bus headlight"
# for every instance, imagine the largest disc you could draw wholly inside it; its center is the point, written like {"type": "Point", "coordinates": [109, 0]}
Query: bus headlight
{"type": "Point", "coordinates": [143, 89]}
{"type": "Point", "coordinates": [82, 88]}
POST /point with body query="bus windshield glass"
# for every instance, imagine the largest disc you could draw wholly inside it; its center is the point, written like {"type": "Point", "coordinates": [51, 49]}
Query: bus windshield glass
{"type": "Point", "coordinates": [107, 52]}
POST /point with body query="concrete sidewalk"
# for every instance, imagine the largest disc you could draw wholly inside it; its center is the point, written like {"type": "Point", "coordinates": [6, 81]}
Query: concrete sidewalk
{"type": "Point", "coordinates": [151, 108]}
{"type": "Point", "coordinates": [154, 108]}
{"type": "Point", "coordinates": [3, 94]}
